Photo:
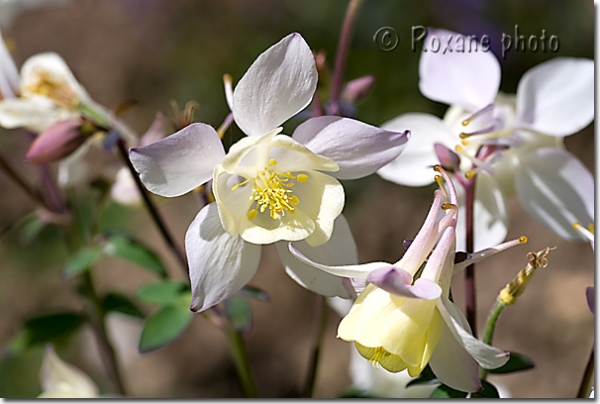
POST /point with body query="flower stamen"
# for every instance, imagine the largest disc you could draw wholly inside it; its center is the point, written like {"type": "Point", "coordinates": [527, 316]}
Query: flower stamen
{"type": "Point", "coordinates": [54, 88]}
{"type": "Point", "coordinates": [379, 354]}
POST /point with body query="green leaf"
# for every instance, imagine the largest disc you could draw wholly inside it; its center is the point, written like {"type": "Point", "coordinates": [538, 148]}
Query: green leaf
{"type": "Point", "coordinates": [516, 363]}
{"type": "Point", "coordinates": [133, 251]}
{"type": "Point", "coordinates": [163, 293]}
{"type": "Point", "coordinates": [118, 302]}
{"type": "Point", "coordinates": [255, 293]}
{"type": "Point", "coordinates": [489, 391]}
{"type": "Point", "coordinates": [447, 392]}
{"type": "Point", "coordinates": [238, 312]}
{"type": "Point", "coordinates": [82, 261]}
{"type": "Point", "coordinates": [163, 327]}
{"type": "Point", "coordinates": [31, 228]}
{"type": "Point", "coordinates": [425, 378]}
{"type": "Point", "coordinates": [43, 329]}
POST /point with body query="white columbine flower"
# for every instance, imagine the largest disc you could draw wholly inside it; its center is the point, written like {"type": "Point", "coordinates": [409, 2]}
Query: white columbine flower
{"type": "Point", "coordinates": [62, 380]}
{"type": "Point", "coordinates": [514, 143]}
{"type": "Point", "coordinates": [268, 187]}
{"type": "Point", "coordinates": [401, 321]}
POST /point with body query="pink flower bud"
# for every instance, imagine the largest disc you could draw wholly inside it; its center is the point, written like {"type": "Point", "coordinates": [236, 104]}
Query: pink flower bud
{"type": "Point", "coordinates": [447, 158]}
{"type": "Point", "coordinates": [58, 141]}
{"type": "Point", "coordinates": [358, 89]}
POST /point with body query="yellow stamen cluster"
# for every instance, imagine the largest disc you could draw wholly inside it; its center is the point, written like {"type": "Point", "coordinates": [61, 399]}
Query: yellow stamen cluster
{"type": "Point", "coordinates": [54, 88]}
{"type": "Point", "coordinates": [379, 354]}
{"type": "Point", "coordinates": [514, 289]}
{"type": "Point", "coordinates": [271, 191]}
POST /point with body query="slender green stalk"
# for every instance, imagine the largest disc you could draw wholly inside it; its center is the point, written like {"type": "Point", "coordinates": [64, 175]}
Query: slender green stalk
{"type": "Point", "coordinates": [342, 53]}
{"type": "Point", "coordinates": [321, 317]}
{"type": "Point", "coordinates": [107, 352]}
{"type": "Point", "coordinates": [588, 378]}
{"type": "Point", "coordinates": [242, 364]}
{"type": "Point", "coordinates": [490, 328]}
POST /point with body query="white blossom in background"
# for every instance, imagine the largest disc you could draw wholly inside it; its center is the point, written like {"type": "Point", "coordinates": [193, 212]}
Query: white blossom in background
{"type": "Point", "coordinates": [62, 380]}
{"type": "Point", "coordinates": [269, 187]}
{"type": "Point", "coordinates": [404, 322]}
{"type": "Point", "coordinates": [514, 143]}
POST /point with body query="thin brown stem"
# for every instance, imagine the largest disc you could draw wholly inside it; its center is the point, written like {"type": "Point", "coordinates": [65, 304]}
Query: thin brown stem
{"type": "Point", "coordinates": [588, 378]}
{"type": "Point", "coordinates": [321, 318]}
{"type": "Point", "coordinates": [20, 182]}
{"type": "Point", "coordinates": [107, 352]}
{"type": "Point", "coordinates": [342, 53]}
{"type": "Point", "coordinates": [470, 286]}
{"type": "Point", "coordinates": [156, 217]}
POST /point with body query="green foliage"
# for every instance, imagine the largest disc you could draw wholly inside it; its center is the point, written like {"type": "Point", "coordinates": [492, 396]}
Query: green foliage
{"type": "Point", "coordinates": [489, 391]}
{"type": "Point", "coordinates": [164, 293]}
{"type": "Point", "coordinates": [120, 303]}
{"type": "Point", "coordinates": [255, 293]}
{"type": "Point", "coordinates": [425, 378]}
{"type": "Point", "coordinates": [131, 250]}
{"type": "Point", "coordinates": [239, 313]}
{"type": "Point", "coordinates": [163, 327]}
{"type": "Point", "coordinates": [82, 261]}
{"type": "Point", "coordinates": [516, 363]}
{"type": "Point", "coordinates": [447, 392]}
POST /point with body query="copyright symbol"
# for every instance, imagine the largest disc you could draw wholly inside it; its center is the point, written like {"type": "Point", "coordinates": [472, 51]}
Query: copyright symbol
{"type": "Point", "coordinates": [386, 39]}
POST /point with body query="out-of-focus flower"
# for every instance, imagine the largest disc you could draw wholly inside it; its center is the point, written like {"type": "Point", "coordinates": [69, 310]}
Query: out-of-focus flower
{"type": "Point", "coordinates": [514, 143]}
{"type": "Point", "coordinates": [62, 380]}
{"type": "Point", "coordinates": [59, 141]}
{"type": "Point", "coordinates": [268, 187]}
{"type": "Point", "coordinates": [405, 321]}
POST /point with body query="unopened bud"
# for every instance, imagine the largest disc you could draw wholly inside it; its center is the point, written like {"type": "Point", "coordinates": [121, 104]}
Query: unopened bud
{"type": "Point", "coordinates": [447, 158]}
{"type": "Point", "coordinates": [358, 89]}
{"type": "Point", "coordinates": [58, 141]}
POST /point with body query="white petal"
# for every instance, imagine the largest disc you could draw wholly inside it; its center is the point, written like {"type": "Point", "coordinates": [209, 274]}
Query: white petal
{"type": "Point", "coordinates": [53, 65]}
{"type": "Point", "coordinates": [278, 85]}
{"type": "Point", "coordinates": [58, 376]}
{"type": "Point", "coordinates": [249, 155]}
{"type": "Point", "coordinates": [358, 148]}
{"type": "Point", "coordinates": [557, 97]}
{"type": "Point", "coordinates": [339, 250]}
{"type": "Point", "coordinates": [234, 205]}
{"type": "Point", "coordinates": [355, 271]}
{"type": "Point", "coordinates": [453, 365]}
{"type": "Point", "coordinates": [219, 265]}
{"type": "Point", "coordinates": [491, 223]}
{"type": "Point", "coordinates": [74, 169]}
{"type": "Point", "coordinates": [487, 356]}
{"type": "Point", "coordinates": [557, 189]}
{"type": "Point", "coordinates": [34, 113]}
{"type": "Point", "coordinates": [124, 189]}
{"type": "Point", "coordinates": [292, 155]}
{"type": "Point", "coordinates": [9, 76]}
{"type": "Point", "coordinates": [469, 79]}
{"type": "Point", "coordinates": [179, 163]}
{"type": "Point", "coordinates": [414, 166]}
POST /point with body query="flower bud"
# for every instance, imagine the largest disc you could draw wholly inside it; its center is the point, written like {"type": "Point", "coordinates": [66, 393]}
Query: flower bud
{"type": "Point", "coordinates": [58, 141]}
{"type": "Point", "coordinates": [358, 89]}
{"type": "Point", "coordinates": [447, 158]}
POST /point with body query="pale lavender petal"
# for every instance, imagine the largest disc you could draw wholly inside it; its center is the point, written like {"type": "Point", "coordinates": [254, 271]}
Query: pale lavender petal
{"type": "Point", "coordinates": [469, 79]}
{"type": "Point", "coordinates": [398, 282]}
{"type": "Point", "coordinates": [179, 163]}
{"type": "Point", "coordinates": [556, 188]}
{"type": "Point", "coordinates": [358, 148]}
{"type": "Point", "coordinates": [278, 85]}
{"type": "Point", "coordinates": [219, 264]}
{"type": "Point", "coordinates": [557, 97]}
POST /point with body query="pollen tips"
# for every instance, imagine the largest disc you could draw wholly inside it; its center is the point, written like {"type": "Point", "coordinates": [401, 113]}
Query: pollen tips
{"type": "Point", "coordinates": [302, 177]}
{"type": "Point", "coordinates": [437, 168]}
{"type": "Point", "coordinates": [252, 214]}
{"type": "Point", "coordinates": [523, 239]}
{"type": "Point", "coordinates": [463, 135]}
{"type": "Point", "coordinates": [466, 122]}
{"type": "Point", "coordinates": [272, 162]}
{"type": "Point", "coordinates": [470, 174]}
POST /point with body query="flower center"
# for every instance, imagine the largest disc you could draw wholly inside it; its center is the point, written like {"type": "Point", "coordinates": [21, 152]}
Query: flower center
{"type": "Point", "coordinates": [56, 89]}
{"type": "Point", "coordinates": [379, 354]}
{"type": "Point", "coordinates": [272, 191]}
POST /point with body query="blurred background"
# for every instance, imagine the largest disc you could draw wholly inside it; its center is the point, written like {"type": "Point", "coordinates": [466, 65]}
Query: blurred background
{"type": "Point", "coordinates": [154, 51]}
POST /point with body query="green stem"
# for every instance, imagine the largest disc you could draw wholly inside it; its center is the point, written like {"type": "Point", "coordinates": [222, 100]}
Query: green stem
{"type": "Point", "coordinates": [107, 352]}
{"type": "Point", "coordinates": [322, 316]}
{"type": "Point", "coordinates": [588, 378]}
{"type": "Point", "coordinates": [490, 328]}
{"type": "Point", "coordinates": [241, 362]}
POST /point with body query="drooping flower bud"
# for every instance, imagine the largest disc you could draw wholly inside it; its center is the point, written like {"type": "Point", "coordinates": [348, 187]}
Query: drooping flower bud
{"type": "Point", "coordinates": [358, 89]}
{"type": "Point", "coordinates": [59, 141]}
{"type": "Point", "coordinates": [447, 158]}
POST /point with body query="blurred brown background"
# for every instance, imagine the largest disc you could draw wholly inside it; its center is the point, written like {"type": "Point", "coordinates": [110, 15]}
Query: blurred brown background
{"type": "Point", "coordinates": [157, 50]}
